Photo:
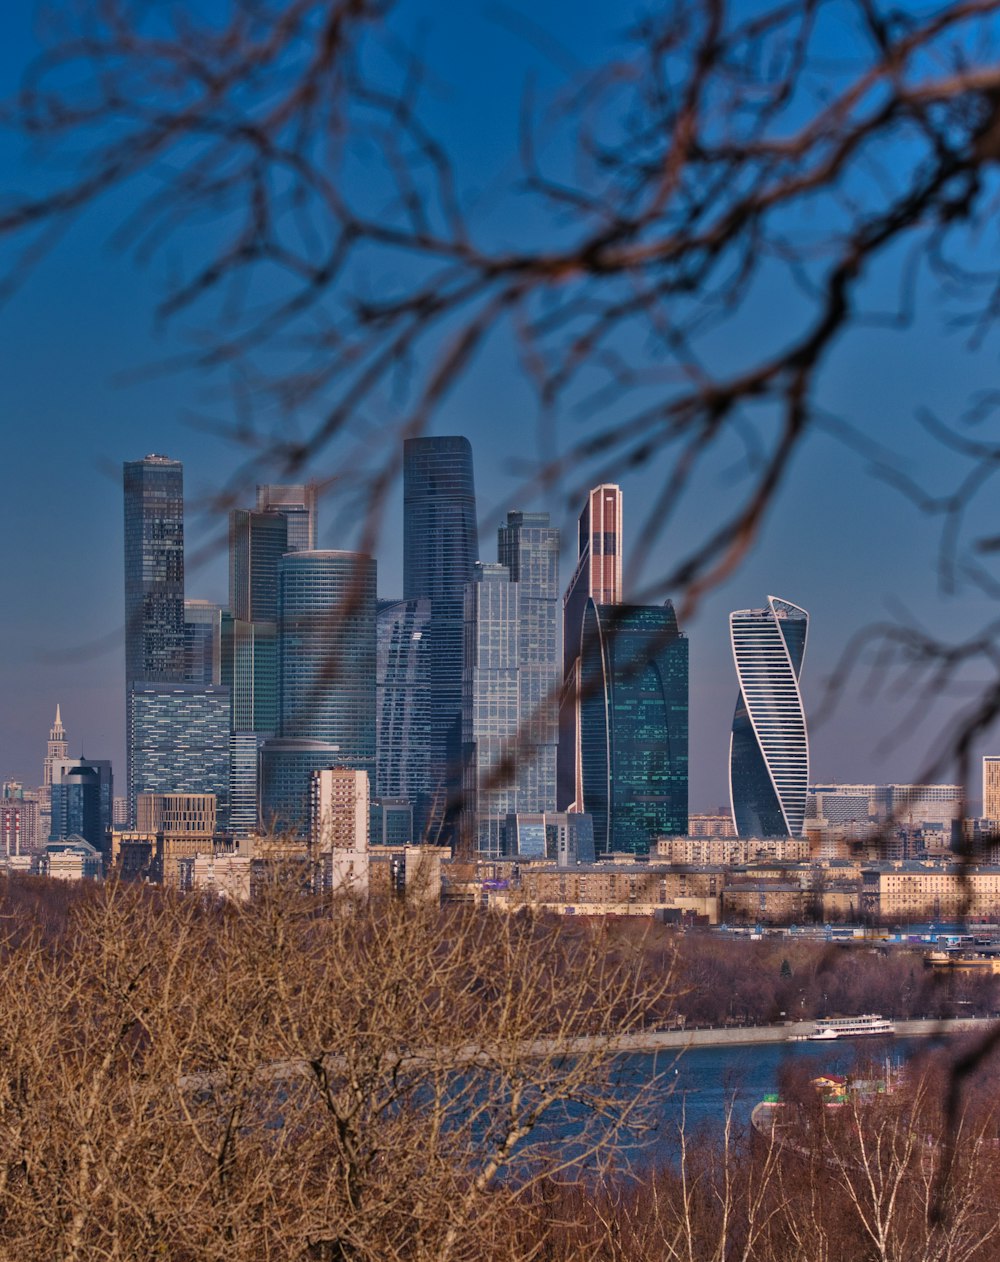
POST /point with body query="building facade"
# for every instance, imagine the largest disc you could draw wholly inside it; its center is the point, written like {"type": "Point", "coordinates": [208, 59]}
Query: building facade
{"type": "Point", "coordinates": [597, 577]}
{"type": "Point", "coordinates": [180, 741]}
{"type": "Point", "coordinates": [82, 801]}
{"type": "Point", "coordinates": [440, 549]}
{"type": "Point", "coordinates": [326, 670]}
{"type": "Point", "coordinates": [202, 642]}
{"type": "Point", "coordinates": [298, 505]}
{"type": "Point", "coordinates": [57, 747]}
{"type": "Point", "coordinates": [991, 786]}
{"type": "Point", "coordinates": [769, 746]}
{"type": "Point", "coordinates": [404, 714]}
{"type": "Point", "coordinates": [634, 725]}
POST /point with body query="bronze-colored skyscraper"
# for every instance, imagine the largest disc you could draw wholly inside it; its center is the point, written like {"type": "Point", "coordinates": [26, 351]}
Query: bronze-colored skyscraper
{"type": "Point", "coordinates": [597, 577]}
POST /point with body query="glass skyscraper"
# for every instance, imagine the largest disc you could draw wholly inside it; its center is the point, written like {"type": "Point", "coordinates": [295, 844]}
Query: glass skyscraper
{"type": "Point", "coordinates": [403, 707]}
{"type": "Point", "coordinates": [180, 741]}
{"type": "Point", "coordinates": [326, 672]}
{"type": "Point", "coordinates": [82, 798]}
{"type": "Point", "coordinates": [154, 569]}
{"type": "Point", "coordinates": [440, 549]}
{"type": "Point", "coordinates": [769, 748]}
{"type": "Point", "coordinates": [202, 642]}
{"type": "Point", "coordinates": [597, 577]}
{"type": "Point", "coordinates": [529, 547]}
{"type": "Point", "coordinates": [297, 504]}
{"type": "Point", "coordinates": [491, 708]}
{"type": "Point", "coordinates": [154, 589]}
{"type": "Point", "coordinates": [633, 725]}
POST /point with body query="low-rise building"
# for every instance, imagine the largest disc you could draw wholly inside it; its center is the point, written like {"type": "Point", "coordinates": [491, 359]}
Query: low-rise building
{"type": "Point", "coordinates": [914, 891]}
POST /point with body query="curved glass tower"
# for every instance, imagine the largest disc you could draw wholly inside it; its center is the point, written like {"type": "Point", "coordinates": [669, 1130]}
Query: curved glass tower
{"type": "Point", "coordinates": [769, 747]}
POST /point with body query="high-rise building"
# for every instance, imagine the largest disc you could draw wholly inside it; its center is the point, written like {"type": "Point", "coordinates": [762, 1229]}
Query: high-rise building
{"type": "Point", "coordinates": [154, 588]}
{"type": "Point", "coordinates": [491, 707]}
{"type": "Point", "coordinates": [154, 570]}
{"type": "Point", "coordinates": [202, 642]}
{"type": "Point", "coordinates": [297, 504]}
{"type": "Point", "coordinates": [633, 725]}
{"type": "Point", "coordinates": [339, 829]}
{"type": "Point", "coordinates": [82, 800]}
{"type": "Point", "coordinates": [597, 577]}
{"type": "Point", "coordinates": [529, 547]}
{"type": "Point", "coordinates": [440, 549]}
{"type": "Point", "coordinates": [57, 747]}
{"type": "Point", "coordinates": [769, 747]}
{"type": "Point", "coordinates": [244, 762]}
{"type": "Point", "coordinates": [180, 741]}
{"type": "Point", "coordinates": [326, 665]}
{"type": "Point", "coordinates": [18, 825]}
{"type": "Point", "coordinates": [403, 708]}
{"type": "Point", "coordinates": [991, 787]}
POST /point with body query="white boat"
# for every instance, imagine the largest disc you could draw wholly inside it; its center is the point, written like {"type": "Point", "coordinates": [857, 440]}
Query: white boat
{"type": "Point", "coordinates": [870, 1023]}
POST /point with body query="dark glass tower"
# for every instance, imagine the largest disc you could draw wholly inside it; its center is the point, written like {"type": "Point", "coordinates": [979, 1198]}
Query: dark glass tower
{"type": "Point", "coordinates": [403, 706]}
{"type": "Point", "coordinates": [634, 725]}
{"type": "Point", "coordinates": [769, 749]}
{"type": "Point", "coordinates": [154, 570]}
{"type": "Point", "coordinates": [154, 586]}
{"type": "Point", "coordinates": [440, 549]}
{"type": "Point", "coordinates": [326, 672]}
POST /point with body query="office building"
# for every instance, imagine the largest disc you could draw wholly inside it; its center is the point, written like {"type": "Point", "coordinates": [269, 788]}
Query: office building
{"type": "Point", "coordinates": [491, 708]}
{"type": "Point", "coordinates": [529, 547]}
{"type": "Point", "coordinates": [597, 577]}
{"type": "Point", "coordinates": [154, 588]}
{"type": "Point", "coordinates": [297, 504]}
{"type": "Point", "coordinates": [440, 549]}
{"type": "Point", "coordinates": [180, 741]}
{"type": "Point", "coordinates": [18, 826]}
{"type": "Point", "coordinates": [244, 764]}
{"type": "Point", "coordinates": [404, 710]}
{"type": "Point", "coordinates": [154, 570]}
{"type": "Point", "coordinates": [180, 813]}
{"type": "Point", "coordinates": [202, 642]}
{"type": "Point", "coordinates": [326, 669]}
{"type": "Point", "coordinates": [82, 800]}
{"type": "Point", "coordinates": [633, 725]}
{"type": "Point", "coordinates": [769, 747]}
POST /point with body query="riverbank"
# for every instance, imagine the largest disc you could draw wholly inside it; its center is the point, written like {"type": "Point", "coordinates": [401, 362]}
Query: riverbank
{"type": "Point", "coordinates": [734, 1036]}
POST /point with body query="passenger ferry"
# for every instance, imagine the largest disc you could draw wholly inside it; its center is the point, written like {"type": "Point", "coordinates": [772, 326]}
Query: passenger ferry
{"type": "Point", "coordinates": [828, 1028]}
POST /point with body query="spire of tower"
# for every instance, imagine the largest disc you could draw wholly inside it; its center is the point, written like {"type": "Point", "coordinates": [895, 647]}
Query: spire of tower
{"type": "Point", "coordinates": [58, 716]}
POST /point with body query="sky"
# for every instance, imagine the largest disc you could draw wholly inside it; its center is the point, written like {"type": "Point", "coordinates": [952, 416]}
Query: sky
{"type": "Point", "coordinates": [838, 541]}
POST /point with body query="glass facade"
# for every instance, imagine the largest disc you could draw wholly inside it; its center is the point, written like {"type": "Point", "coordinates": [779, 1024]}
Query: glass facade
{"type": "Point", "coordinates": [529, 547]}
{"type": "Point", "coordinates": [491, 707]}
{"type": "Point", "coordinates": [154, 584]}
{"type": "Point", "coordinates": [440, 548]}
{"type": "Point", "coordinates": [82, 800]}
{"type": "Point", "coordinates": [202, 642]}
{"type": "Point", "coordinates": [154, 569]}
{"type": "Point", "coordinates": [244, 755]}
{"type": "Point", "coordinates": [769, 748]}
{"type": "Point", "coordinates": [180, 741]}
{"type": "Point", "coordinates": [634, 725]}
{"type": "Point", "coordinates": [297, 504]}
{"type": "Point", "coordinates": [403, 707]}
{"type": "Point", "coordinates": [597, 577]}
{"type": "Point", "coordinates": [326, 677]}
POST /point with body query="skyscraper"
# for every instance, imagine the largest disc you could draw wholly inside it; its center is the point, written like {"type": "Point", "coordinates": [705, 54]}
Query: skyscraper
{"type": "Point", "coordinates": [57, 747]}
{"type": "Point", "coordinates": [326, 667]}
{"type": "Point", "coordinates": [490, 709]}
{"type": "Point", "coordinates": [597, 577]}
{"type": "Point", "coordinates": [440, 549]}
{"type": "Point", "coordinates": [154, 586]}
{"type": "Point", "coordinates": [529, 547]}
{"type": "Point", "coordinates": [633, 725]}
{"type": "Point", "coordinates": [297, 504]}
{"type": "Point", "coordinates": [154, 569]}
{"type": "Point", "coordinates": [82, 800]}
{"type": "Point", "coordinates": [202, 642]}
{"type": "Point", "coordinates": [403, 707]}
{"type": "Point", "coordinates": [769, 748]}
{"type": "Point", "coordinates": [179, 741]}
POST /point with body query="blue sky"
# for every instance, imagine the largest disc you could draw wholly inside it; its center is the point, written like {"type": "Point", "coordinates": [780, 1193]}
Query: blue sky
{"type": "Point", "coordinates": [838, 541]}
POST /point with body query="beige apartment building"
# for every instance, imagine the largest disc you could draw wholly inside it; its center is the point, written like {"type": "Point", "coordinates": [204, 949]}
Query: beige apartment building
{"type": "Point", "coordinates": [930, 891]}
{"type": "Point", "coordinates": [722, 851]}
{"type": "Point", "coordinates": [991, 787]}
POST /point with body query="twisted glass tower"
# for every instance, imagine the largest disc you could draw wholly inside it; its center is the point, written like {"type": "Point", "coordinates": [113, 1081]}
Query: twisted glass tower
{"type": "Point", "coordinates": [769, 747]}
